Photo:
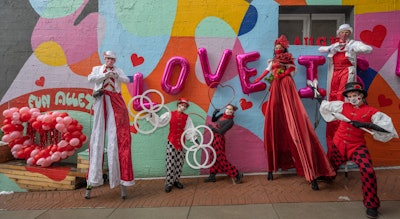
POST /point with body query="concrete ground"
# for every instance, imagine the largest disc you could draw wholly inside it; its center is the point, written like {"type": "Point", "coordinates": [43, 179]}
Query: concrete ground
{"type": "Point", "coordinates": [287, 196]}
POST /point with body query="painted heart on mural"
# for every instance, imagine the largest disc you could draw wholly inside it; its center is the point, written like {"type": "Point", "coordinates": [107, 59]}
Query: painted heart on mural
{"type": "Point", "coordinates": [374, 37]}
{"type": "Point", "coordinates": [245, 104]}
{"type": "Point", "coordinates": [40, 82]}
{"type": "Point", "coordinates": [133, 129]}
{"type": "Point", "coordinates": [383, 101]}
{"type": "Point", "coordinates": [136, 60]}
{"type": "Point", "coordinates": [222, 88]}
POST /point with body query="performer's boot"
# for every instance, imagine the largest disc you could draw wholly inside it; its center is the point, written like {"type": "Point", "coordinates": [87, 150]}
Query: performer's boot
{"type": "Point", "coordinates": [88, 190]}
{"type": "Point", "coordinates": [238, 178]}
{"type": "Point", "coordinates": [270, 176]}
{"type": "Point", "coordinates": [314, 185]}
{"type": "Point", "coordinates": [210, 178]}
{"type": "Point", "coordinates": [123, 192]}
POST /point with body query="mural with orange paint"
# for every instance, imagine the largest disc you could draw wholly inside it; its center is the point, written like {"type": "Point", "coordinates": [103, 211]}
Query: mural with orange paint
{"type": "Point", "coordinates": [66, 42]}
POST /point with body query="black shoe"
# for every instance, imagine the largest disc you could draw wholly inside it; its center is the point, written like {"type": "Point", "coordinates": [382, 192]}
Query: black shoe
{"type": "Point", "coordinates": [168, 188]}
{"type": "Point", "coordinates": [178, 185]}
{"type": "Point", "coordinates": [325, 179]}
{"type": "Point", "coordinates": [238, 178]}
{"type": "Point", "coordinates": [372, 212]}
{"type": "Point", "coordinates": [210, 178]}
{"type": "Point", "coordinates": [270, 176]}
{"type": "Point", "coordinates": [314, 185]}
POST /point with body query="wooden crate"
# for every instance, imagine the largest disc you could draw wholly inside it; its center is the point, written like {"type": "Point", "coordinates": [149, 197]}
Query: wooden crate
{"type": "Point", "coordinates": [5, 153]}
{"type": "Point", "coordinates": [60, 176]}
{"type": "Point", "coordinates": [82, 163]}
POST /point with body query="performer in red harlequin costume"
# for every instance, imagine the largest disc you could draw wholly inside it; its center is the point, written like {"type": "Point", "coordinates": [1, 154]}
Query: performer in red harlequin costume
{"type": "Point", "coordinates": [342, 69]}
{"type": "Point", "coordinates": [110, 113]}
{"type": "Point", "coordinates": [175, 154]}
{"type": "Point", "coordinates": [289, 137]}
{"type": "Point", "coordinates": [349, 142]}
{"type": "Point", "coordinates": [223, 122]}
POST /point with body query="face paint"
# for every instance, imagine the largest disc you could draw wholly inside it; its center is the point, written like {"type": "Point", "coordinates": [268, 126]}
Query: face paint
{"type": "Point", "coordinates": [355, 100]}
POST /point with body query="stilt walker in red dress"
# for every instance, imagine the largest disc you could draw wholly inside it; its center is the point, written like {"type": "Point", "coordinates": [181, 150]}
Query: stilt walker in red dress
{"type": "Point", "coordinates": [110, 117]}
{"type": "Point", "coordinates": [289, 137]}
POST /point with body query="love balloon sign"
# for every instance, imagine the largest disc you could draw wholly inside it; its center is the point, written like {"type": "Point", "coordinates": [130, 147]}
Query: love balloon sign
{"type": "Point", "coordinates": [311, 63]}
{"type": "Point", "coordinates": [213, 79]}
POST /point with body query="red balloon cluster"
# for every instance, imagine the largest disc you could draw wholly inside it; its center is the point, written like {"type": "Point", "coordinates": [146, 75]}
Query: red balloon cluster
{"type": "Point", "coordinates": [41, 139]}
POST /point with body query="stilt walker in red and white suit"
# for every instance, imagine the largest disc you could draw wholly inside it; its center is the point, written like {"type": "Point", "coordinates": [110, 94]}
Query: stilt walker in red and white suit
{"type": "Point", "coordinates": [342, 69]}
{"type": "Point", "coordinates": [110, 117]}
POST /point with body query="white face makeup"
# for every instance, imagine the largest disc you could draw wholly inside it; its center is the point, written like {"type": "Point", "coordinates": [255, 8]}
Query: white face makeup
{"type": "Point", "coordinates": [355, 98]}
{"type": "Point", "coordinates": [229, 110]}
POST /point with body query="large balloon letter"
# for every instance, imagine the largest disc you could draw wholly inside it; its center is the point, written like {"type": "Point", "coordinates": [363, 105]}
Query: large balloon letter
{"type": "Point", "coordinates": [312, 89]}
{"type": "Point", "coordinates": [398, 61]}
{"type": "Point", "coordinates": [245, 73]}
{"type": "Point", "coordinates": [205, 66]}
{"type": "Point", "coordinates": [138, 90]}
{"type": "Point", "coordinates": [165, 81]}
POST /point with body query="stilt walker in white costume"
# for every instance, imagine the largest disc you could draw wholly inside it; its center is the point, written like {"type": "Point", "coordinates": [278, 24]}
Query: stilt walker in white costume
{"type": "Point", "coordinates": [111, 114]}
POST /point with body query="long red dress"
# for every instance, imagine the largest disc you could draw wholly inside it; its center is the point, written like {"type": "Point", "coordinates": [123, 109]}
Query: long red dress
{"type": "Point", "coordinates": [289, 137]}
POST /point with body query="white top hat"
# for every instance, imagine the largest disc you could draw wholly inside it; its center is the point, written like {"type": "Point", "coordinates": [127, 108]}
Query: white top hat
{"type": "Point", "coordinates": [344, 27]}
{"type": "Point", "coordinates": [110, 54]}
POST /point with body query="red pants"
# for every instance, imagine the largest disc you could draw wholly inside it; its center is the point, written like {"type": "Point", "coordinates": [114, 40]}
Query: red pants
{"type": "Point", "coordinates": [362, 158]}
{"type": "Point", "coordinates": [221, 165]}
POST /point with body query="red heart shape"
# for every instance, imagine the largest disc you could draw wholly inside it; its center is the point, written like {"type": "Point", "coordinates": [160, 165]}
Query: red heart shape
{"type": "Point", "coordinates": [374, 37]}
{"type": "Point", "coordinates": [40, 82]}
{"type": "Point", "coordinates": [383, 101]}
{"type": "Point", "coordinates": [136, 60]}
{"type": "Point", "coordinates": [245, 104]}
{"type": "Point", "coordinates": [133, 129]}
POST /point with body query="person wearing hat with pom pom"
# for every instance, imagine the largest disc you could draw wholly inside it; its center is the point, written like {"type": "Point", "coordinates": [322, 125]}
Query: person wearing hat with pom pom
{"type": "Point", "coordinates": [355, 119]}
{"type": "Point", "coordinates": [342, 69]}
{"type": "Point", "coordinates": [179, 121]}
{"type": "Point", "coordinates": [111, 114]}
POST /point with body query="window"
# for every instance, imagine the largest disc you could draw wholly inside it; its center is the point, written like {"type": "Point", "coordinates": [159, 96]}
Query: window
{"type": "Point", "coordinates": [312, 25]}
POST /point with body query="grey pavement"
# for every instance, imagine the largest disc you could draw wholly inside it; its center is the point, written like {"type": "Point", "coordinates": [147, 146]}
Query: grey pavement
{"type": "Point", "coordinates": [311, 210]}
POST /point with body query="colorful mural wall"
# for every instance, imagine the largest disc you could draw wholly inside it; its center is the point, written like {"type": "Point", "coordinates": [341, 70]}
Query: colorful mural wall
{"type": "Point", "coordinates": [60, 42]}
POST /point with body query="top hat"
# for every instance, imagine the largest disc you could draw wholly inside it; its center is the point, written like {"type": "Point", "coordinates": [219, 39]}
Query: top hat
{"type": "Point", "coordinates": [354, 86]}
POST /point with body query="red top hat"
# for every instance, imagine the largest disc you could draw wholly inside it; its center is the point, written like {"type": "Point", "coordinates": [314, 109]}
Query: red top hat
{"type": "Point", "coordinates": [183, 100]}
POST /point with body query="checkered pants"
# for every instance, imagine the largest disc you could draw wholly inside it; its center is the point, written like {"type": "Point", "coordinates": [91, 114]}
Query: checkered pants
{"type": "Point", "coordinates": [221, 165]}
{"type": "Point", "coordinates": [362, 158]}
{"type": "Point", "coordinates": [174, 162]}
